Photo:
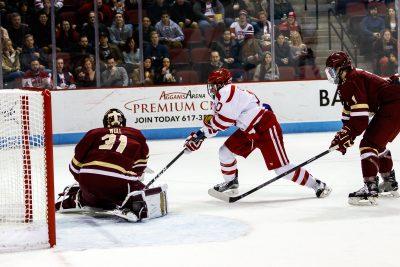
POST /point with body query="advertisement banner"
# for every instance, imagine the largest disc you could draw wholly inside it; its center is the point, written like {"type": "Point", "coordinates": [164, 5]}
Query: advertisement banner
{"type": "Point", "coordinates": [165, 112]}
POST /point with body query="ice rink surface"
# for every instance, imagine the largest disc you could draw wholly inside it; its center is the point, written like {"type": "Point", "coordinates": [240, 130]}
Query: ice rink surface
{"type": "Point", "coordinates": [282, 224]}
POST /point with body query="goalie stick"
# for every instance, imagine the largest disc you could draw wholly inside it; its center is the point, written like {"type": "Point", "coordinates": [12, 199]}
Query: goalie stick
{"type": "Point", "coordinates": [221, 196]}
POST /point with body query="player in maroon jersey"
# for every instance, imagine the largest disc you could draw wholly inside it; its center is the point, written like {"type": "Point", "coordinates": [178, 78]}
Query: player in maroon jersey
{"type": "Point", "coordinates": [108, 165]}
{"type": "Point", "coordinates": [363, 93]}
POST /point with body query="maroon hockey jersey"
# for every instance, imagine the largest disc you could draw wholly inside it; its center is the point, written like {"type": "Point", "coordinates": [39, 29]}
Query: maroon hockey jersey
{"type": "Point", "coordinates": [118, 152]}
{"type": "Point", "coordinates": [363, 93]}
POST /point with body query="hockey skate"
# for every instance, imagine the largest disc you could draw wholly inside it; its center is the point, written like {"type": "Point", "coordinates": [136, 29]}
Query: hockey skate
{"type": "Point", "coordinates": [389, 187]}
{"type": "Point", "coordinates": [230, 187]}
{"type": "Point", "coordinates": [321, 189]}
{"type": "Point", "coordinates": [366, 196]}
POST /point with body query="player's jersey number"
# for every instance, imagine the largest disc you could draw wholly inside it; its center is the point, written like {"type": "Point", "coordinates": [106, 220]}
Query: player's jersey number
{"type": "Point", "coordinates": [109, 141]}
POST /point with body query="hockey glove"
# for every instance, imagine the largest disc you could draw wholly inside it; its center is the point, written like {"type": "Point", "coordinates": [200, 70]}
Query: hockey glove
{"type": "Point", "coordinates": [343, 139]}
{"type": "Point", "coordinates": [194, 141]}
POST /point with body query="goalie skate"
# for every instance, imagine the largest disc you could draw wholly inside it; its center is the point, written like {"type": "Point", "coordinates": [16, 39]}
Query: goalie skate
{"type": "Point", "coordinates": [366, 196]}
{"type": "Point", "coordinates": [125, 214]}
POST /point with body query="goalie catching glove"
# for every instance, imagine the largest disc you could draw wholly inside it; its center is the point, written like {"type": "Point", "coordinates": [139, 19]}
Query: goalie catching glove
{"type": "Point", "coordinates": [194, 140]}
{"type": "Point", "coordinates": [343, 139]}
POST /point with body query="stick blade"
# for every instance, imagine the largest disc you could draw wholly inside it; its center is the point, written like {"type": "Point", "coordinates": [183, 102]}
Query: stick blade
{"type": "Point", "coordinates": [218, 195]}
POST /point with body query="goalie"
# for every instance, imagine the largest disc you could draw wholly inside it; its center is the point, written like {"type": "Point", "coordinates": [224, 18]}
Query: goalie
{"type": "Point", "coordinates": [108, 165]}
{"type": "Point", "coordinates": [258, 128]}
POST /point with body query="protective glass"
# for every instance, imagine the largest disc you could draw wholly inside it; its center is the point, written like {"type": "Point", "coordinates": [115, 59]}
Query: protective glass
{"type": "Point", "coordinates": [332, 75]}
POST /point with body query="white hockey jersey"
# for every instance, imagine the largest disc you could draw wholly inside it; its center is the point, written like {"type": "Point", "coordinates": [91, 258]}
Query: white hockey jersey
{"type": "Point", "coordinates": [234, 106]}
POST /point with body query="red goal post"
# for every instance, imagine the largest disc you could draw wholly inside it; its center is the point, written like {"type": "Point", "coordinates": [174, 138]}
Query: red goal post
{"type": "Point", "coordinates": [27, 213]}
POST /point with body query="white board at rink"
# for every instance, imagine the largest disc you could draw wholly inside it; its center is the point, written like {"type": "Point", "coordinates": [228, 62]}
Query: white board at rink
{"type": "Point", "coordinates": [175, 111]}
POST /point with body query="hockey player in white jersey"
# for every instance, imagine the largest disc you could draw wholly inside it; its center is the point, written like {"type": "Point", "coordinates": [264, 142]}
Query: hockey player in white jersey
{"type": "Point", "coordinates": [258, 128]}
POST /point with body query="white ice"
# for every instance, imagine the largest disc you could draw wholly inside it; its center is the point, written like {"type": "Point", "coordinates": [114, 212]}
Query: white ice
{"type": "Point", "coordinates": [282, 224]}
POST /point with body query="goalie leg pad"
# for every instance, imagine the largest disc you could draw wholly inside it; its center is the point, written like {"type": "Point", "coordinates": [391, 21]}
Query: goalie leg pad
{"type": "Point", "coordinates": [69, 199]}
{"type": "Point", "coordinates": [144, 205]}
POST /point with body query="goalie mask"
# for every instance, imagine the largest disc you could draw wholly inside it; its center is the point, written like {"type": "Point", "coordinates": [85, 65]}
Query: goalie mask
{"type": "Point", "coordinates": [336, 63]}
{"type": "Point", "coordinates": [216, 80]}
{"type": "Point", "coordinates": [114, 118]}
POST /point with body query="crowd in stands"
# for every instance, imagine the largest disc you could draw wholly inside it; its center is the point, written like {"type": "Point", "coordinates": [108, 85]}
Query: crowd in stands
{"type": "Point", "coordinates": [179, 36]}
{"type": "Point", "coordinates": [373, 25]}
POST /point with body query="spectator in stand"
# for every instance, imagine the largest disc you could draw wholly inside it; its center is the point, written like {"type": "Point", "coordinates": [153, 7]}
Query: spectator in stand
{"type": "Point", "coordinates": [31, 52]}
{"type": "Point", "coordinates": [182, 13]}
{"type": "Point", "coordinates": [88, 28]}
{"type": "Point", "coordinates": [250, 53]}
{"type": "Point", "coordinates": [148, 73]}
{"type": "Point", "coordinates": [147, 30]}
{"type": "Point", "coordinates": [264, 71]}
{"type": "Point", "coordinates": [117, 6]}
{"type": "Point", "coordinates": [80, 51]}
{"type": "Point", "coordinates": [166, 74]}
{"type": "Point", "coordinates": [46, 5]}
{"type": "Point", "coordinates": [282, 51]}
{"type": "Point", "coordinates": [155, 11]}
{"type": "Point", "coordinates": [297, 48]}
{"type": "Point", "coordinates": [170, 33]}
{"type": "Point", "coordinates": [215, 64]}
{"type": "Point", "coordinates": [391, 21]}
{"type": "Point", "coordinates": [386, 54]}
{"type": "Point", "coordinates": [119, 31]}
{"type": "Point", "coordinates": [87, 75]}
{"type": "Point", "coordinates": [36, 77]}
{"type": "Point", "coordinates": [108, 50]}
{"type": "Point", "coordinates": [42, 32]}
{"type": "Point", "coordinates": [228, 49]}
{"type": "Point", "coordinates": [241, 28]}
{"type": "Point", "coordinates": [25, 13]}
{"type": "Point", "coordinates": [289, 25]}
{"type": "Point", "coordinates": [208, 13]}
{"type": "Point", "coordinates": [17, 31]}
{"type": "Point", "coordinates": [66, 36]}
{"type": "Point", "coordinates": [253, 7]}
{"type": "Point", "coordinates": [265, 43]}
{"type": "Point", "coordinates": [282, 9]}
{"type": "Point", "coordinates": [105, 14]}
{"type": "Point", "coordinates": [156, 51]}
{"type": "Point", "coordinates": [4, 33]}
{"type": "Point", "coordinates": [371, 27]}
{"type": "Point", "coordinates": [132, 55]}
{"type": "Point", "coordinates": [232, 8]}
{"type": "Point", "coordinates": [114, 76]}
{"type": "Point", "coordinates": [65, 79]}
{"type": "Point", "coordinates": [263, 26]}
{"type": "Point", "coordinates": [46, 8]}
{"type": "Point", "coordinates": [11, 65]}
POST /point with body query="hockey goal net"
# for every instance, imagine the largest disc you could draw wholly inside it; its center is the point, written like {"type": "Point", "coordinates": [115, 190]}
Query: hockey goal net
{"type": "Point", "coordinates": [27, 217]}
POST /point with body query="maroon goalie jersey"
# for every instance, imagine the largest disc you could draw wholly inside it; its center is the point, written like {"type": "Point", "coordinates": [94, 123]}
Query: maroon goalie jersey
{"type": "Point", "coordinates": [363, 93]}
{"type": "Point", "coordinates": [117, 152]}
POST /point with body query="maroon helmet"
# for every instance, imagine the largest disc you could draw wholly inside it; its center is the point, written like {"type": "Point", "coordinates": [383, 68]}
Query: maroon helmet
{"type": "Point", "coordinates": [218, 79]}
{"type": "Point", "coordinates": [335, 63]}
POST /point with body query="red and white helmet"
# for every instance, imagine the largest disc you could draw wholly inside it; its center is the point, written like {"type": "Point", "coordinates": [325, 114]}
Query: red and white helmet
{"type": "Point", "coordinates": [218, 79]}
{"type": "Point", "coordinates": [335, 63]}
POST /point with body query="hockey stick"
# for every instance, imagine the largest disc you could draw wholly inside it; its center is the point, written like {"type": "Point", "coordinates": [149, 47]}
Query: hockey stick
{"type": "Point", "coordinates": [165, 168]}
{"type": "Point", "coordinates": [226, 198]}
{"type": "Point", "coordinates": [200, 135]}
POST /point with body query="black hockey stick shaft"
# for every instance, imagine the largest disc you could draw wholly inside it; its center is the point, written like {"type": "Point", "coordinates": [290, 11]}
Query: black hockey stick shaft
{"type": "Point", "coordinates": [165, 168]}
{"type": "Point", "coordinates": [236, 198]}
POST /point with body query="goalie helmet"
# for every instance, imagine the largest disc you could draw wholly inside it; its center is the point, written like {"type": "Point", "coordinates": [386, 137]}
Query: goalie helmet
{"type": "Point", "coordinates": [218, 79]}
{"type": "Point", "coordinates": [114, 118]}
{"type": "Point", "coordinates": [335, 64]}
